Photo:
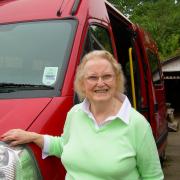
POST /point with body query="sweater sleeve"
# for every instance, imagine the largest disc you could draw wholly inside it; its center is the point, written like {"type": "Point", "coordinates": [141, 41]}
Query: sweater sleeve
{"type": "Point", "coordinates": [53, 145]}
{"type": "Point", "coordinates": [148, 162]}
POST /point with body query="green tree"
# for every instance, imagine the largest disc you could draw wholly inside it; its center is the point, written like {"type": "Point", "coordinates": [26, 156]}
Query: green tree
{"type": "Point", "coordinates": [159, 17]}
{"type": "Point", "coordinates": [125, 6]}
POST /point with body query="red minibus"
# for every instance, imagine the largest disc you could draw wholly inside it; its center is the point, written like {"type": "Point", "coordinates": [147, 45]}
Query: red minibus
{"type": "Point", "coordinates": [41, 44]}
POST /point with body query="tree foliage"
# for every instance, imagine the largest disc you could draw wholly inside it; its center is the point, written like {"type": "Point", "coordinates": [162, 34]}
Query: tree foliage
{"type": "Point", "coordinates": [159, 17]}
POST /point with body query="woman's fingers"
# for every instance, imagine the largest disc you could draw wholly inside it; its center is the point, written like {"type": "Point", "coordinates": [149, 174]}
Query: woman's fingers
{"type": "Point", "coordinates": [15, 137]}
{"type": "Point", "coordinates": [14, 143]}
{"type": "Point", "coordinates": [18, 136]}
{"type": "Point", "coordinates": [7, 138]}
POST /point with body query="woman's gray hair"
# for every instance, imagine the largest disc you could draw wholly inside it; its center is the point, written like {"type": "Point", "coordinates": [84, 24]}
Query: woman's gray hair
{"type": "Point", "coordinates": [79, 77]}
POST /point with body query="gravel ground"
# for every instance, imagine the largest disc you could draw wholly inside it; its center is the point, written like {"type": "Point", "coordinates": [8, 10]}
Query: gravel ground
{"type": "Point", "coordinates": [171, 165]}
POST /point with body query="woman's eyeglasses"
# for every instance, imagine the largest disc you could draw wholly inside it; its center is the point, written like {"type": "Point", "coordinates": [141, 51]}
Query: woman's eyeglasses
{"type": "Point", "coordinates": [107, 78]}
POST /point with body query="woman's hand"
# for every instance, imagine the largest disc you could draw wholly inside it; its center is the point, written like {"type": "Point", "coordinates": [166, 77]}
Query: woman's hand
{"type": "Point", "coordinates": [18, 136]}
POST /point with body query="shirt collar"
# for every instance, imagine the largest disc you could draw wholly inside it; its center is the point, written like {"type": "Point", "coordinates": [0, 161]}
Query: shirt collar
{"type": "Point", "coordinates": [123, 113]}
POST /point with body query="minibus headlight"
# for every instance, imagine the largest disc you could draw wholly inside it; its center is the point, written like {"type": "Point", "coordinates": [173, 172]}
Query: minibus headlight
{"type": "Point", "coordinates": [17, 163]}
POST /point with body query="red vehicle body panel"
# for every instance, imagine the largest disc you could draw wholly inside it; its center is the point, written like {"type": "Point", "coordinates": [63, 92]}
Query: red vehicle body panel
{"type": "Point", "coordinates": [28, 110]}
{"type": "Point", "coordinates": [157, 94]}
{"type": "Point", "coordinates": [47, 115]}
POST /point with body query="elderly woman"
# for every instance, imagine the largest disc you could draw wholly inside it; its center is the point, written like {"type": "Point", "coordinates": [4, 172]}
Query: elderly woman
{"type": "Point", "coordinates": [104, 138]}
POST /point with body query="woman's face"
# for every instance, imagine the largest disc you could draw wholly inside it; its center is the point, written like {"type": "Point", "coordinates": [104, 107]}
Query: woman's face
{"type": "Point", "coordinates": [99, 80]}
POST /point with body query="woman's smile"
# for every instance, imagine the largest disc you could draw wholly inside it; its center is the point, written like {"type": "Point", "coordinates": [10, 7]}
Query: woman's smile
{"type": "Point", "coordinates": [101, 91]}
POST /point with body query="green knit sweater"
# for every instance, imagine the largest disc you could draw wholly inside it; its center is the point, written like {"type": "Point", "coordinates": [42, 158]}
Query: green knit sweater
{"type": "Point", "coordinates": [116, 151]}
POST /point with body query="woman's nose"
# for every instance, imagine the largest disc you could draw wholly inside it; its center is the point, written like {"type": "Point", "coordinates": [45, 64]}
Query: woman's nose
{"type": "Point", "coordinates": [100, 81]}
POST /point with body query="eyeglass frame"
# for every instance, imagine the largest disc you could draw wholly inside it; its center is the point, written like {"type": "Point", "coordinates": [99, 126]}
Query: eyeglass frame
{"type": "Point", "coordinates": [106, 78]}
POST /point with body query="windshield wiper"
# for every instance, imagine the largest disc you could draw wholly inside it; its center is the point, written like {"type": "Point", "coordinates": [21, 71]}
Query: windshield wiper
{"type": "Point", "coordinates": [15, 87]}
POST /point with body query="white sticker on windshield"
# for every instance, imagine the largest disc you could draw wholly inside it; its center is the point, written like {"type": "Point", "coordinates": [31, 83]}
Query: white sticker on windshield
{"type": "Point", "coordinates": [49, 76]}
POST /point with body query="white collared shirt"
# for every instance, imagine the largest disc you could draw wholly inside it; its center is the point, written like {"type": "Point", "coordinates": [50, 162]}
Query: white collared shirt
{"type": "Point", "coordinates": [123, 113]}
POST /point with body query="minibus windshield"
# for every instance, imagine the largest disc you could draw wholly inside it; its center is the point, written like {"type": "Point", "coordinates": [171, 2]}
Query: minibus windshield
{"type": "Point", "coordinates": [35, 54]}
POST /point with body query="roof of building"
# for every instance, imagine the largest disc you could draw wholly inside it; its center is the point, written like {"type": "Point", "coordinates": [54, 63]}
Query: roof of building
{"type": "Point", "coordinates": [171, 65]}
{"type": "Point", "coordinates": [171, 68]}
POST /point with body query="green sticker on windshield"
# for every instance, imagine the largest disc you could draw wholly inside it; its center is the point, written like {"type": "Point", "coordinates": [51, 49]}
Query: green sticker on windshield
{"type": "Point", "coordinates": [49, 76]}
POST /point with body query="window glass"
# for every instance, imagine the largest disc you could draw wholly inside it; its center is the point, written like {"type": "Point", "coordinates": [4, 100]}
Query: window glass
{"type": "Point", "coordinates": [35, 52]}
{"type": "Point", "coordinates": [154, 65]}
{"type": "Point", "coordinates": [98, 38]}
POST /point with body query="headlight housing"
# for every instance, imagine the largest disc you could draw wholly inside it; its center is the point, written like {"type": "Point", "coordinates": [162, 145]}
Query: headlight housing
{"type": "Point", "coordinates": [17, 163]}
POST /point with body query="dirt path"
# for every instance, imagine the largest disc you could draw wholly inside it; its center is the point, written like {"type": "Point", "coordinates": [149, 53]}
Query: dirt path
{"type": "Point", "coordinates": [171, 166]}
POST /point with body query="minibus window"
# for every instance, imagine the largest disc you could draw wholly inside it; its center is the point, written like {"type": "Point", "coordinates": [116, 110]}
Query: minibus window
{"type": "Point", "coordinates": [154, 64]}
{"type": "Point", "coordinates": [35, 54]}
{"type": "Point", "coordinates": [100, 38]}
